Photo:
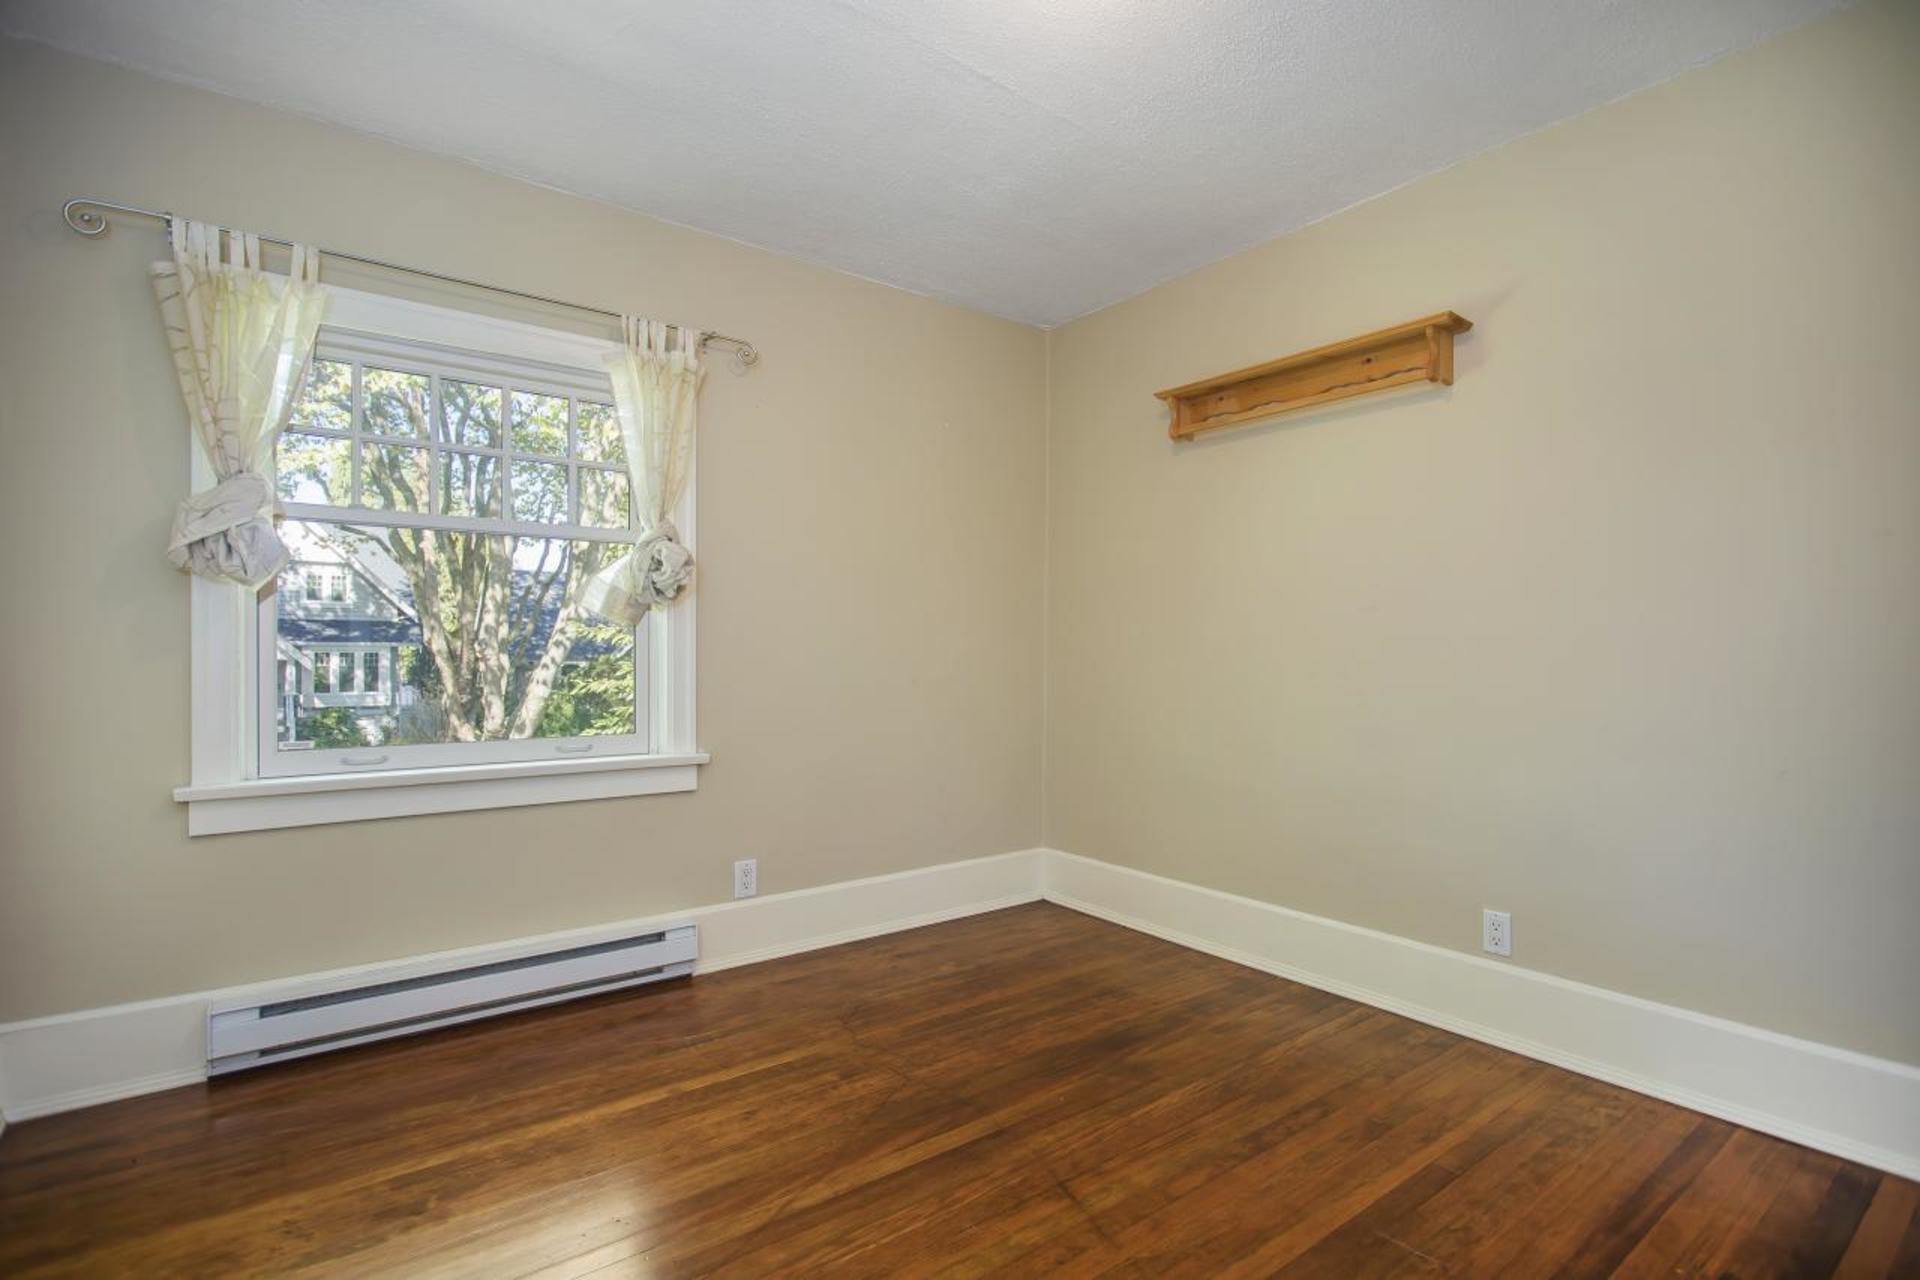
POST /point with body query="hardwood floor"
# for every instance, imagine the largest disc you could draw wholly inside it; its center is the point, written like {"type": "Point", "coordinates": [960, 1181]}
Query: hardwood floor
{"type": "Point", "coordinates": [1031, 1092]}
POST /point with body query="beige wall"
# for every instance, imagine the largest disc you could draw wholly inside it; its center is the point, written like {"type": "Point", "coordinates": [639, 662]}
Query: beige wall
{"type": "Point", "coordinates": [870, 612]}
{"type": "Point", "coordinates": [1620, 634]}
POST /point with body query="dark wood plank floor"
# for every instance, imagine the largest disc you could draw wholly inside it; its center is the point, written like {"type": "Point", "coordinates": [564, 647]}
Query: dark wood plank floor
{"type": "Point", "coordinates": [1031, 1092]}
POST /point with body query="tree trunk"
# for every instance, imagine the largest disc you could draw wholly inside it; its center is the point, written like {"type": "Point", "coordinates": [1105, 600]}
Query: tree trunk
{"type": "Point", "coordinates": [422, 564]}
{"type": "Point", "coordinates": [546, 670]}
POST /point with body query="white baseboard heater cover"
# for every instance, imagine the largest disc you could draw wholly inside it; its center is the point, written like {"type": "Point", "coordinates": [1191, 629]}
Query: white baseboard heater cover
{"type": "Point", "coordinates": [255, 1033]}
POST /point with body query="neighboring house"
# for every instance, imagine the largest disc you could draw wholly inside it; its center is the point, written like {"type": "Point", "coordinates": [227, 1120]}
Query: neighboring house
{"type": "Point", "coordinates": [342, 625]}
{"type": "Point", "coordinates": [345, 614]}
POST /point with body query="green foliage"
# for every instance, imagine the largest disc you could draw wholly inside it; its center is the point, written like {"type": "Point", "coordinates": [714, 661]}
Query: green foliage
{"type": "Point", "coordinates": [330, 729]}
{"type": "Point", "coordinates": [315, 468]}
{"type": "Point", "coordinates": [417, 669]}
{"type": "Point", "coordinates": [595, 696]}
{"type": "Point", "coordinates": [539, 424]}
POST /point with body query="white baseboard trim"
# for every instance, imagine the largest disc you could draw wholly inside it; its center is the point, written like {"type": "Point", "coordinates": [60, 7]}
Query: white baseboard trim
{"type": "Point", "coordinates": [1848, 1104]}
{"type": "Point", "coordinates": [73, 1060]}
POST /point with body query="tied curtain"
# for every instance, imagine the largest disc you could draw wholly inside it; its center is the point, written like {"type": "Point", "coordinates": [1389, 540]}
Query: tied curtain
{"type": "Point", "coordinates": [656, 382]}
{"type": "Point", "coordinates": [242, 343]}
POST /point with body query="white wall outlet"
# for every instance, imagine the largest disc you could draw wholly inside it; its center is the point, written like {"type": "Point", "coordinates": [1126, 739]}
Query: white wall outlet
{"type": "Point", "coordinates": [1496, 932]}
{"type": "Point", "coordinates": [746, 877]}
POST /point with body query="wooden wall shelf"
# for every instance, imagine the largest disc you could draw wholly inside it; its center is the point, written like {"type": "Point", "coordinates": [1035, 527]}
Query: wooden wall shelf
{"type": "Point", "coordinates": [1419, 351]}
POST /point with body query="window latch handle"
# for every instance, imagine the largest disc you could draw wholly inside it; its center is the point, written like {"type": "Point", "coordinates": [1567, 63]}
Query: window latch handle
{"type": "Point", "coordinates": [574, 748]}
{"type": "Point", "coordinates": [362, 762]}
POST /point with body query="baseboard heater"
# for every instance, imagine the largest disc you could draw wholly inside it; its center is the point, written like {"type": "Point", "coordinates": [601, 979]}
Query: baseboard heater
{"type": "Point", "coordinates": [306, 1021]}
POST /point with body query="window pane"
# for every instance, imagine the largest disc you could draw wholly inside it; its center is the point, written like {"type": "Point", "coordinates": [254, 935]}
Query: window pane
{"type": "Point", "coordinates": [326, 403]}
{"type": "Point", "coordinates": [599, 433]}
{"type": "Point", "coordinates": [533, 667]}
{"type": "Point", "coordinates": [469, 484]}
{"type": "Point", "coordinates": [396, 403]}
{"type": "Point", "coordinates": [540, 423]}
{"type": "Point", "coordinates": [469, 414]}
{"type": "Point", "coordinates": [540, 492]}
{"type": "Point", "coordinates": [393, 477]}
{"type": "Point", "coordinates": [316, 469]}
{"type": "Point", "coordinates": [603, 498]}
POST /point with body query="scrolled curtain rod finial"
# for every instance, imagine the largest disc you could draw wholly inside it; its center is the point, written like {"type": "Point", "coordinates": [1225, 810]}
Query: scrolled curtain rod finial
{"type": "Point", "coordinates": [84, 218]}
{"type": "Point", "coordinates": [745, 354]}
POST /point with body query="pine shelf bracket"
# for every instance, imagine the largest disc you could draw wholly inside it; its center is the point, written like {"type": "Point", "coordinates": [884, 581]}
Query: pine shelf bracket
{"type": "Point", "coordinates": [1419, 351]}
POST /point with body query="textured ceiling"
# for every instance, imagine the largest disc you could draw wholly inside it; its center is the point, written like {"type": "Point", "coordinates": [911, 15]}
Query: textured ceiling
{"type": "Point", "coordinates": [1036, 159]}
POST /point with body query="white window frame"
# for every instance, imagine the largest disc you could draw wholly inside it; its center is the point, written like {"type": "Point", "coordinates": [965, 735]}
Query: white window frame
{"type": "Point", "coordinates": [441, 364]}
{"type": "Point", "coordinates": [229, 675]}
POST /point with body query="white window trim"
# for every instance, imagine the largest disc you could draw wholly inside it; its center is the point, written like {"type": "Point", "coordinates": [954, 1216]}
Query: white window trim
{"type": "Point", "coordinates": [227, 794]}
{"type": "Point", "coordinates": [580, 378]}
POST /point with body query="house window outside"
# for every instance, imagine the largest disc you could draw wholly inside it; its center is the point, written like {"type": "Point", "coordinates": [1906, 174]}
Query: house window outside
{"type": "Point", "coordinates": [467, 498]}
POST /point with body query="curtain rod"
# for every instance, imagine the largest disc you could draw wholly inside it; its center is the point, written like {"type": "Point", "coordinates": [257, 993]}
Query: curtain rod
{"type": "Point", "coordinates": [81, 215]}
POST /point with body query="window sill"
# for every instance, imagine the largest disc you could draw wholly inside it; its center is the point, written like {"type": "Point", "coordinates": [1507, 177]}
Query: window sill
{"type": "Point", "coordinates": [260, 804]}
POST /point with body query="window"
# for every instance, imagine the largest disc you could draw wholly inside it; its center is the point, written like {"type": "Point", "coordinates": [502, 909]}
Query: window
{"type": "Point", "coordinates": [466, 478]}
{"type": "Point", "coordinates": [473, 496]}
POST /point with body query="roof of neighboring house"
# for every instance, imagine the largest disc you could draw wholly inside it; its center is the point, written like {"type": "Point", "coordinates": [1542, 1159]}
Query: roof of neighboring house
{"type": "Point", "coordinates": [322, 631]}
{"type": "Point", "coordinates": [308, 631]}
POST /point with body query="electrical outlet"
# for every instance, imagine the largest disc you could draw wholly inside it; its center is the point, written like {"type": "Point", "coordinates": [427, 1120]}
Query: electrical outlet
{"type": "Point", "coordinates": [1496, 932]}
{"type": "Point", "coordinates": [746, 878]}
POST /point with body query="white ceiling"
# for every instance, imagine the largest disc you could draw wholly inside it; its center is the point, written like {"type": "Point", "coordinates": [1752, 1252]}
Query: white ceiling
{"type": "Point", "coordinates": [1037, 159]}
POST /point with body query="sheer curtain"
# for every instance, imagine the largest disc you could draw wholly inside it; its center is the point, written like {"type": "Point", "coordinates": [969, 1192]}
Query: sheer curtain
{"type": "Point", "coordinates": [656, 382]}
{"type": "Point", "coordinates": [242, 343]}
